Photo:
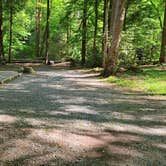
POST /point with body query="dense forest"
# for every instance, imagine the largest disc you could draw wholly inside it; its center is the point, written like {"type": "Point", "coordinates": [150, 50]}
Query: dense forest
{"type": "Point", "coordinates": [104, 33]}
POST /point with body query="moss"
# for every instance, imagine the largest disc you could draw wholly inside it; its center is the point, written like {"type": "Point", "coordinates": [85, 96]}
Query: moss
{"type": "Point", "coordinates": [29, 70]}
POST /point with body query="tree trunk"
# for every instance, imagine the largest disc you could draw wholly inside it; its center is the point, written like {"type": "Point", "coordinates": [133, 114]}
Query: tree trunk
{"type": "Point", "coordinates": [163, 44]}
{"type": "Point", "coordinates": [105, 33]}
{"type": "Point", "coordinates": [47, 32]}
{"type": "Point", "coordinates": [118, 14]}
{"type": "Point", "coordinates": [109, 17]}
{"type": "Point", "coordinates": [95, 34]}
{"type": "Point", "coordinates": [38, 26]}
{"type": "Point", "coordinates": [84, 31]}
{"type": "Point", "coordinates": [1, 32]}
{"type": "Point", "coordinates": [43, 43]}
{"type": "Point", "coordinates": [11, 30]}
{"type": "Point", "coordinates": [125, 17]}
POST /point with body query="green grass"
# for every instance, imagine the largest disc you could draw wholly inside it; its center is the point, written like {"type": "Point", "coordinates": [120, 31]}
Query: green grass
{"type": "Point", "coordinates": [152, 80]}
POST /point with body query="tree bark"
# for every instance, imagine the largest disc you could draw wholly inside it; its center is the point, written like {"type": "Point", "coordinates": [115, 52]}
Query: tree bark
{"type": "Point", "coordinates": [1, 32]}
{"type": "Point", "coordinates": [10, 30]}
{"type": "Point", "coordinates": [109, 17]}
{"type": "Point", "coordinates": [84, 31]}
{"type": "Point", "coordinates": [118, 14]}
{"type": "Point", "coordinates": [38, 26]}
{"type": "Point", "coordinates": [95, 34]}
{"type": "Point", "coordinates": [163, 44]}
{"type": "Point", "coordinates": [47, 32]}
{"type": "Point", "coordinates": [105, 33]}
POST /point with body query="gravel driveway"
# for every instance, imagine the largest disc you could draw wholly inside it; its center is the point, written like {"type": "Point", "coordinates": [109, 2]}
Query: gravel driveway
{"type": "Point", "coordinates": [70, 118]}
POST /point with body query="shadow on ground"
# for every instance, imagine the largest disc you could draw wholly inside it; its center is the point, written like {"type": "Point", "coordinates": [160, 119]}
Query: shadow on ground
{"type": "Point", "coordinates": [64, 117]}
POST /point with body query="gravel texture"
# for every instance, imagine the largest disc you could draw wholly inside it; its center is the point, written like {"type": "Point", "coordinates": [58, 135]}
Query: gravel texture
{"type": "Point", "coordinates": [69, 117]}
{"type": "Point", "coordinates": [6, 76]}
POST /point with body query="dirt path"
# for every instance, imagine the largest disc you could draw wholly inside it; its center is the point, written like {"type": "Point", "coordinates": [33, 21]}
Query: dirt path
{"type": "Point", "coordinates": [64, 117]}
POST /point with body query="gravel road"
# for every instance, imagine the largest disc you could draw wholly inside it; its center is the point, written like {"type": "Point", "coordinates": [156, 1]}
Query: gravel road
{"type": "Point", "coordinates": [69, 117]}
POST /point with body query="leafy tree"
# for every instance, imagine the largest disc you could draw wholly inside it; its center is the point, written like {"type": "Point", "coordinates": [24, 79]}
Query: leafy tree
{"type": "Point", "coordinates": [1, 31]}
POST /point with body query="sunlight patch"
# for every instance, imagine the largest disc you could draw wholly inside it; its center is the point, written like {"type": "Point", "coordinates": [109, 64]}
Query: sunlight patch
{"type": "Point", "coordinates": [7, 119]}
{"type": "Point", "coordinates": [80, 109]}
{"type": "Point", "coordinates": [119, 115]}
{"type": "Point", "coordinates": [66, 140]}
{"type": "Point", "coordinates": [121, 150]}
{"type": "Point", "coordinates": [161, 146]}
{"type": "Point", "coordinates": [159, 130]}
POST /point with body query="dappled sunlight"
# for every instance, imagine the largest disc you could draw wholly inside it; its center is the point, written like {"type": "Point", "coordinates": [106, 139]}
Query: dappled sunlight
{"type": "Point", "coordinates": [161, 146]}
{"type": "Point", "coordinates": [81, 109]}
{"type": "Point", "coordinates": [154, 118]}
{"type": "Point", "coordinates": [121, 150]}
{"type": "Point", "coordinates": [19, 148]}
{"type": "Point", "coordinates": [155, 131]}
{"type": "Point", "coordinates": [63, 99]}
{"type": "Point", "coordinates": [56, 86]}
{"type": "Point", "coordinates": [65, 116]}
{"type": "Point", "coordinates": [36, 122]}
{"type": "Point", "coordinates": [54, 113]}
{"type": "Point", "coordinates": [81, 126]}
{"type": "Point", "coordinates": [89, 83]}
{"type": "Point", "coordinates": [119, 115]}
{"type": "Point", "coordinates": [147, 109]}
{"type": "Point", "coordinates": [65, 140]}
{"type": "Point", "coordinates": [7, 119]}
{"type": "Point", "coordinates": [32, 152]}
{"type": "Point", "coordinates": [47, 145]}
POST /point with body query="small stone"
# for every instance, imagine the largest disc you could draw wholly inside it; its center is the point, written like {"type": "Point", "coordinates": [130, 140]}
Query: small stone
{"type": "Point", "coordinates": [51, 62]}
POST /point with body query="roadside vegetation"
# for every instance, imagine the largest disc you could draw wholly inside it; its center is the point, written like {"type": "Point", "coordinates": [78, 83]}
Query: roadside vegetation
{"type": "Point", "coordinates": [148, 79]}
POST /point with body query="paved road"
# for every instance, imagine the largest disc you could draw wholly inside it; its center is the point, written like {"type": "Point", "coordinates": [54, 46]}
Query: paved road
{"type": "Point", "coordinates": [66, 117]}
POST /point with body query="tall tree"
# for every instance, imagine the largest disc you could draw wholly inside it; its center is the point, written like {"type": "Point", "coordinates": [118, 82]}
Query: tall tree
{"type": "Point", "coordinates": [10, 29]}
{"type": "Point", "coordinates": [38, 26]}
{"type": "Point", "coordinates": [47, 31]}
{"type": "Point", "coordinates": [84, 31]}
{"type": "Point", "coordinates": [95, 34]}
{"type": "Point", "coordinates": [1, 31]}
{"type": "Point", "coordinates": [105, 33]}
{"type": "Point", "coordinates": [163, 44]}
{"type": "Point", "coordinates": [118, 14]}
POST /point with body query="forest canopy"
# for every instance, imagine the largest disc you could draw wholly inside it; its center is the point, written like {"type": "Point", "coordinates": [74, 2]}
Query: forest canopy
{"type": "Point", "coordinates": [88, 32]}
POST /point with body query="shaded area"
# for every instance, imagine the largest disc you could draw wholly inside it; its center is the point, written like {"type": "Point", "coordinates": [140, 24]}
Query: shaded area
{"type": "Point", "coordinates": [6, 76]}
{"type": "Point", "coordinates": [65, 117]}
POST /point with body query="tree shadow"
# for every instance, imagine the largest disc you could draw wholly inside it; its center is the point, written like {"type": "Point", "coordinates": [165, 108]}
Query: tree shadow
{"type": "Point", "coordinates": [63, 117]}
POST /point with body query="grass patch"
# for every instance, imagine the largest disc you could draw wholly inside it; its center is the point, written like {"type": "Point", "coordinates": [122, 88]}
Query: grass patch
{"type": "Point", "coordinates": [152, 80]}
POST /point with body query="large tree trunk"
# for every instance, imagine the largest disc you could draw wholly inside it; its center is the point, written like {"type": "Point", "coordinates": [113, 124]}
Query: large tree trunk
{"type": "Point", "coordinates": [47, 32]}
{"type": "Point", "coordinates": [105, 33]}
{"type": "Point", "coordinates": [163, 44]}
{"type": "Point", "coordinates": [95, 34]}
{"type": "Point", "coordinates": [118, 14]}
{"type": "Point", "coordinates": [1, 32]}
{"type": "Point", "coordinates": [84, 31]}
{"type": "Point", "coordinates": [11, 30]}
{"type": "Point", "coordinates": [38, 26]}
{"type": "Point", "coordinates": [109, 17]}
